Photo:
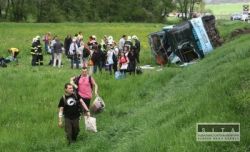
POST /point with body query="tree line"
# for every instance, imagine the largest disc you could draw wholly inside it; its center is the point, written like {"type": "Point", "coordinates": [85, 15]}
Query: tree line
{"type": "Point", "coordinates": [90, 10]}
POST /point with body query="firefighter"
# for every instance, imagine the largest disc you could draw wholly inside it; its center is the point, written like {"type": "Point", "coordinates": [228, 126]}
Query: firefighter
{"type": "Point", "coordinates": [137, 48]}
{"type": "Point", "coordinates": [36, 52]}
{"type": "Point", "coordinates": [40, 53]}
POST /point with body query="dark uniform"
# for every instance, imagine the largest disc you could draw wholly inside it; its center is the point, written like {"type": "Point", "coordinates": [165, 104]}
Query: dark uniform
{"type": "Point", "coordinates": [36, 52]}
{"type": "Point", "coordinates": [132, 62]}
{"type": "Point", "coordinates": [137, 49]}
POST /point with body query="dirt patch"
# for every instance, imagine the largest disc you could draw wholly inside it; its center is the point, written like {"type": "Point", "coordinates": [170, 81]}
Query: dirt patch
{"type": "Point", "coordinates": [238, 32]}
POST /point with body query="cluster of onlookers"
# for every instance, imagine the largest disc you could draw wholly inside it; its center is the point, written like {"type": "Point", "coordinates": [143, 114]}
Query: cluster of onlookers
{"type": "Point", "coordinates": [95, 55]}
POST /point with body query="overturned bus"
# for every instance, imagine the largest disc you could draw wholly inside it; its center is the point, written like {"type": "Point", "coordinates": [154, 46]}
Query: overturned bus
{"type": "Point", "coordinates": [185, 42]}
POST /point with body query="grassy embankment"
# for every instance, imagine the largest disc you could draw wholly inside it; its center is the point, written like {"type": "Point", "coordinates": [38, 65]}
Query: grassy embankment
{"type": "Point", "coordinates": [156, 111]}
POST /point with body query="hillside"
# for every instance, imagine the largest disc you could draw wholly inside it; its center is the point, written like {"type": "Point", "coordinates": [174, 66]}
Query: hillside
{"type": "Point", "coordinates": [155, 111]}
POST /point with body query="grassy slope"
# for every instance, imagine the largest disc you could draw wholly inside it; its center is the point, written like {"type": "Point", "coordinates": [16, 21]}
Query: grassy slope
{"type": "Point", "coordinates": [159, 112]}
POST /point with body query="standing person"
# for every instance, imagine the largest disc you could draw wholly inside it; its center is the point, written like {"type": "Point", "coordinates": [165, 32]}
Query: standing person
{"type": "Point", "coordinates": [85, 55]}
{"type": "Point", "coordinates": [39, 50]}
{"type": "Point", "coordinates": [47, 38]}
{"type": "Point", "coordinates": [121, 43]}
{"type": "Point", "coordinates": [53, 41]}
{"type": "Point", "coordinates": [115, 58]}
{"type": "Point", "coordinates": [80, 52]}
{"type": "Point", "coordinates": [96, 58]}
{"type": "Point", "coordinates": [137, 48]}
{"type": "Point", "coordinates": [132, 62]}
{"type": "Point", "coordinates": [36, 52]}
{"type": "Point", "coordinates": [123, 63]}
{"type": "Point", "coordinates": [58, 48]}
{"type": "Point", "coordinates": [110, 60]}
{"type": "Point", "coordinates": [67, 42]}
{"type": "Point", "coordinates": [33, 52]}
{"type": "Point", "coordinates": [85, 85]}
{"type": "Point", "coordinates": [73, 54]}
{"type": "Point", "coordinates": [104, 57]}
{"type": "Point", "coordinates": [70, 107]}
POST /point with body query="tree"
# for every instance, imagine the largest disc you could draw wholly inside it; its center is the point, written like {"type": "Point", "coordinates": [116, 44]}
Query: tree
{"type": "Point", "coordinates": [2, 5]}
{"type": "Point", "coordinates": [192, 4]}
{"type": "Point", "coordinates": [14, 10]}
{"type": "Point", "coordinates": [163, 8]}
{"type": "Point", "coordinates": [186, 7]}
{"type": "Point", "coordinates": [85, 10]}
{"type": "Point", "coordinates": [49, 11]}
{"type": "Point", "coordinates": [4, 9]}
{"type": "Point", "coordinates": [17, 10]}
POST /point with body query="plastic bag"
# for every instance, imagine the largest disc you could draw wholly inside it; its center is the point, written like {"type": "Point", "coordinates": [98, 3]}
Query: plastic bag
{"type": "Point", "coordinates": [124, 66]}
{"type": "Point", "coordinates": [98, 105]}
{"type": "Point", "coordinates": [118, 75]}
{"type": "Point", "coordinates": [90, 124]}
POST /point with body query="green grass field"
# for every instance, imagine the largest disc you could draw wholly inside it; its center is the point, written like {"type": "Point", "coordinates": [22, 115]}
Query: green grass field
{"type": "Point", "coordinates": [155, 111]}
{"type": "Point", "coordinates": [226, 8]}
{"type": "Point", "coordinates": [223, 11]}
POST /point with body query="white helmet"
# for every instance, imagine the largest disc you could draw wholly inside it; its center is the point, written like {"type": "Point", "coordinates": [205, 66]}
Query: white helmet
{"type": "Point", "coordinates": [134, 37]}
{"type": "Point", "coordinates": [129, 38]}
{"type": "Point", "coordinates": [110, 38]}
{"type": "Point", "coordinates": [34, 40]}
{"type": "Point", "coordinates": [37, 37]}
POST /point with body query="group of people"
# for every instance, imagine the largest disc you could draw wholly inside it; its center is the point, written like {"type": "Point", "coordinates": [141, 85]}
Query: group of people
{"type": "Point", "coordinates": [107, 54]}
{"type": "Point", "coordinates": [91, 55]}
{"type": "Point", "coordinates": [73, 103]}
